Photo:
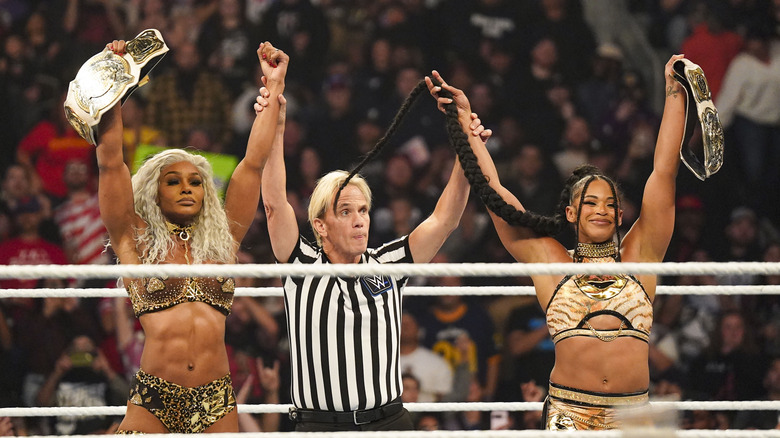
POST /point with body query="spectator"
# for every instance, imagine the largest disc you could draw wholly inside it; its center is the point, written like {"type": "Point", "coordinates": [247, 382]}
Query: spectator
{"type": "Point", "coordinates": [46, 44]}
{"type": "Point", "coordinates": [78, 218]}
{"type": "Point", "coordinates": [43, 333]}
{"type": "Point", "coordinates": [298, 27]}
{"type": "Point", "coordinates": [82, 377]}
{"type": "Point", "coordinates": [11, 366]}
{"type": "Point", "coordinates": [428, 421]}
{"type": "Point", "coordinates": [333, 123]}
{"type": "Point", "coordinates": [28, 247]}
{"type": "Point", "coordinates": [763, 419]}
{"type": "Point", "coordinates": [137, 131]}
{"type": "Point", "coordinates": [578, 142]}
{"type": "Point", "coordinates": [187, 96]}
{"type": "Point", "coordinates": [540, 118]}
{"type": "Point", "coordinates": [533, 179]}
{"type": "Point", "coordinates": [731, 368]}
{"type": "Point", "coordinates": [528, 350]}
{"type": "Point", "coordinates": [449, 319]}
{"type": "Point", "coordinates": [148, 14]}
{"type": "Point", "coordinates": [562, 21]}
{"type": "Point", "coordinates": [466, 23]}
{"type": "Point", "coordinates": [742, 244]}
{"type": "Point", "coordinates": [469, 420]}
{"type": "Point", "coordinates": [225, 44]}
{"type": "Point", "coordinates": [600, 92]}
{"type": "Point", "coordinates": [269, 380]}
{"type": "Point", "coordinates": [748, 105]}
{"type": "Point", "coordinates": [711, 45]}
{"type": "Point", "coordinates": [400, 181]}
{"type": "Point", "coordinates": [48, 146]}
{"type": "Point", "coordinates": [90, 24]}
{"type": "Point", "coordinates": [689, 229]}
{"type": "Point", "coordinates": [19, 185]}
{"type": "Point", "coordinates": [129, 336]}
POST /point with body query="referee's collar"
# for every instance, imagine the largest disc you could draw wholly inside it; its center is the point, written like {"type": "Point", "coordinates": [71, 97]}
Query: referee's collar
{"type": "Point", "coordinates": [363, 257]}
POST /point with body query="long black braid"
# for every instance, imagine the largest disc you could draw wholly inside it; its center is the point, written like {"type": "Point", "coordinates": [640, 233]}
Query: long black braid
{"type": "Point", "coordinates": [405, 107]}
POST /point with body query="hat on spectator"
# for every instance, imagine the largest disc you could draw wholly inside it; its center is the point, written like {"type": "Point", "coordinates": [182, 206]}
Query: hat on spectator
{"type": "Point", "coordinates": [610, 51]}
{"type": "Point", "coordinates": [742, 213]}
{"type": "Point", "coordinates": [337, 81]}
{"type": "Point", "coordinates": [690, 202]}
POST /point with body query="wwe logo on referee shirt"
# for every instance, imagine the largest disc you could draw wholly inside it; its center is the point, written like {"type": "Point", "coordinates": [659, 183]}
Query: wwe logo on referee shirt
{"type": "Point", "coordinates": [376, 284]}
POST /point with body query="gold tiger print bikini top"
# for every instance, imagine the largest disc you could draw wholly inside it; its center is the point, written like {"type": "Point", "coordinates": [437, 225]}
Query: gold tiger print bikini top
{"type": "Point", "coordinates": [159, 293]}
{"type": "Point", "coordinates": [578, 298]}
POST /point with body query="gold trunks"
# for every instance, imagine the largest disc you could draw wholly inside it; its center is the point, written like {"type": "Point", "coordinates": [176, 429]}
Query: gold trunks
{"type": "Point", "coordinates": [573, 409]}
{"type": "Point", "coordinates": [182, 409]}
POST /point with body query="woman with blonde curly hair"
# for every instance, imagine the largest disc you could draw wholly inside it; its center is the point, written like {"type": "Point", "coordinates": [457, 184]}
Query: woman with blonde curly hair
{"type": "Point", "coordinates": [169, 212]}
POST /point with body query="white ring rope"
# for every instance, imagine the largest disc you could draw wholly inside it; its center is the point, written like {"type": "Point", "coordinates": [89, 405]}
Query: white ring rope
{"type": "Point", "coordinates": [638, 432]}
{"type": "Point", "coordinates": [408, 291]}
{"type": "Point", "coordinates": [399, 269]}
{"type": "Point", "coordinates": [752, 405]}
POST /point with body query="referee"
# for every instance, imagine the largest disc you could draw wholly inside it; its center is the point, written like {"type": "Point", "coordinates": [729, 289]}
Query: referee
{"type": "Point", "coordinates": [344, 332]}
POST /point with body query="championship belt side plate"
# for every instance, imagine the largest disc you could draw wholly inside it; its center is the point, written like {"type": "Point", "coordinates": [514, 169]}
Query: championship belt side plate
{"type": "Point", "coordinates": [702, 145]}
{"type": "Point", "coordinates": [107, 78]}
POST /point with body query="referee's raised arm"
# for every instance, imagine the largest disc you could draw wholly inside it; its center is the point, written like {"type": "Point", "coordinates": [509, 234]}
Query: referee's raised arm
{"type": "Point", "coordinates": [282, 224]}
{"type": "Point", "coordinates": [426, 239]}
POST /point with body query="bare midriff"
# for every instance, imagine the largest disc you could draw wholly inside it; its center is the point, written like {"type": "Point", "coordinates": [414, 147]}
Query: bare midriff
{"type": "Point", "coordinates": [185, 344]}
{"type": "Point", "coordinates": [590, 364]}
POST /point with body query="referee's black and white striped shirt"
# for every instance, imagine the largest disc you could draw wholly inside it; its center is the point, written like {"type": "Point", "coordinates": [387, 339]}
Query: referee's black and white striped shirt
{"type": "Point", "coordinates": [344, 332]}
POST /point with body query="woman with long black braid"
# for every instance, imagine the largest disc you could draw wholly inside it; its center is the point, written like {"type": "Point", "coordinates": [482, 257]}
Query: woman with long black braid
{"type": "Point", "coordinates": [344, 332]}
{"type": "Point", "coordinates": [599, 323]}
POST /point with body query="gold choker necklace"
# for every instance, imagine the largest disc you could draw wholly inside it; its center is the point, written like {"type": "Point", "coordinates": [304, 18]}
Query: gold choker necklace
{"type": "Point", "coordinates": [184, 233]}
{"type": "Point", "coordinates": [596, 250]}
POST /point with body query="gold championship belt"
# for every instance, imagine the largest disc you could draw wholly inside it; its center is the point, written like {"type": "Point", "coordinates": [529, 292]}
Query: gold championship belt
{"type": "Point", "coordinates": [702, 146]}
{"type": "Point", "coordinates": [108, 77]}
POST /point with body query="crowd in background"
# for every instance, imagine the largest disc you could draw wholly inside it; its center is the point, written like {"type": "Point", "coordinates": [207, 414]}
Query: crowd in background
{"type": "Point", "coordinates": [557, 89]}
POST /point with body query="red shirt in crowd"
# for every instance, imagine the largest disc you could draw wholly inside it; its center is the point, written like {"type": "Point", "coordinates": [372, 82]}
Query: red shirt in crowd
{"type": "Point", "coordinates": [29, 252]}
{"type": "Point", "coordinates": [50, 150]}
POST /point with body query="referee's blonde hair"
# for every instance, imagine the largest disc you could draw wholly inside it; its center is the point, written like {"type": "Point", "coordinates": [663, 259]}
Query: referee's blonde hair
{"type": "Point", "coordinates": [211, 238]}
{"type": "Point", "coordinates": [324, 191]}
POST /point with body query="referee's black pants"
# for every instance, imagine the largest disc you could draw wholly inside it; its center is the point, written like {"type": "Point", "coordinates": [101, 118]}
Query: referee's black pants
{"type": "Point", "coordinates": [400, 421]}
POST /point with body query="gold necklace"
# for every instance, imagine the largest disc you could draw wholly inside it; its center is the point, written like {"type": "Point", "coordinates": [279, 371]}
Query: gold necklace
{"type": "Point", "coordinates": [184, 233]}
{"type": "Point", "coordinates": [596, 250]}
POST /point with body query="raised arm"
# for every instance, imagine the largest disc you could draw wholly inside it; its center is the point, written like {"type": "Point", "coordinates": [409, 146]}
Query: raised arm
{"type": "Point", "coordinates": [115, 191]}
{"type": "Point", "coordinates": [243, 193]}
{"type": "Point", "coordinates": [426, 239]}
{"type": "Point", "coordinates": [521, 242]}
{"type": "Point", "coordinates": [282, 224]}
{"type": "Point", "coordinates": [649, 237]}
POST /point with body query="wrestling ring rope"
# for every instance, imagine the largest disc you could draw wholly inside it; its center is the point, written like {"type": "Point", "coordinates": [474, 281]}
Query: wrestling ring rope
{"type": "Point", "coordinates": [485, 434]}
{"type": "Point", "coordinates": [422, 270]}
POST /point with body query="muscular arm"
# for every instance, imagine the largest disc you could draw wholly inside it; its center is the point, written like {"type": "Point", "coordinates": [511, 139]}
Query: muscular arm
{"type": "Point", "coordinates": [650, 235]}
{"type": "Point", "coordinates": [522, 243]}
{"type": "Point", "coordinates": [426, 239]}
{"type": "Point", "coordinates": [115, 191]}
{"type": "Point", "coordinates": [243, 193]}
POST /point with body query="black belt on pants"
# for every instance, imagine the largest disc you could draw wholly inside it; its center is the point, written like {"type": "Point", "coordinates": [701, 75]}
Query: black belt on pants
{"type": "Point", "coordinates": [352, 417]}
